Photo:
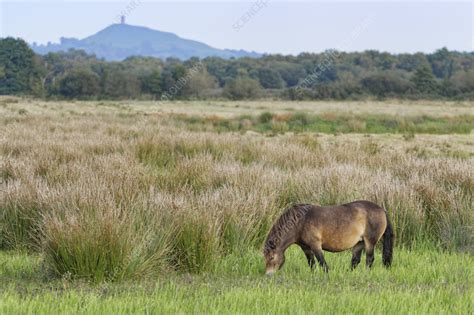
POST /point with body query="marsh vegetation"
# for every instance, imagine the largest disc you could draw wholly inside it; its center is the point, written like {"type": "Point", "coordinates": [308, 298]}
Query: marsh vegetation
{"type": "Point", "coordinates": [112, 204]}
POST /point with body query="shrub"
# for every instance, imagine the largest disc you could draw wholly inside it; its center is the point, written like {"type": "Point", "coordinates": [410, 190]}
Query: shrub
{"type": "Point", "coordinates": [20, 218]}
{"type": "Point", "coordinates": [105, 244]}
{"type": "Point", "coordinates": [196, 244]}
{"type": "Point", "coordinates": [265, 117]}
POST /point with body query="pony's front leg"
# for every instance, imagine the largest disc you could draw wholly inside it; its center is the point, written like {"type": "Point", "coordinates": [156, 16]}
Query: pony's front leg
{"type": "Point", "coordinates": [318, 252]}
{"type": "Point", "coordinates": [309, 256]}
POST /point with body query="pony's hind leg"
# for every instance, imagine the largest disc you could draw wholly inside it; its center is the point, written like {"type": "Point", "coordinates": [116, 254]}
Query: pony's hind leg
{"type": "Point", "coordinates": [369, 252]}
{"type": "Point", "coordinates": [356, 253]}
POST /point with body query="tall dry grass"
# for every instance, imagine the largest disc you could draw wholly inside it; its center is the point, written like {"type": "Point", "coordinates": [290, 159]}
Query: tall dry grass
{"type": "Point", "coordinates": [121, 195]}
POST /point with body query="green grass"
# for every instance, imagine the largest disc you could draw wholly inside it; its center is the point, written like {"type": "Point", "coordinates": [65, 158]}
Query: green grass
{"type": "Point", "coordinates": [420, 282]}
{"type": "Point", "coordinates": [332, 123]}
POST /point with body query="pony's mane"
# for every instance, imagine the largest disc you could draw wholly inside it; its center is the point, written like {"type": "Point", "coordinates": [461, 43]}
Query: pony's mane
{"type": "Point", "coordinates": [285, 223]}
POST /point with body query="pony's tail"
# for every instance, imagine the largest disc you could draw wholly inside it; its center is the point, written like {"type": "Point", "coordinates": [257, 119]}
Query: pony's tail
{"type": "Point", "coordinates": [388, 240]}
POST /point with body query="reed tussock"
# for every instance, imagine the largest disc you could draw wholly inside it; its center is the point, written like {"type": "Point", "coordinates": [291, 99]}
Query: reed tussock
{"type": "Point", "coordinates": [111, 197]}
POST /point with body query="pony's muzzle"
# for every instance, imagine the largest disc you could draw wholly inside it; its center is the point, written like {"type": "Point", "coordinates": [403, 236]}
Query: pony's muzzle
{"type": "Point", "coordinates": [269, 273]}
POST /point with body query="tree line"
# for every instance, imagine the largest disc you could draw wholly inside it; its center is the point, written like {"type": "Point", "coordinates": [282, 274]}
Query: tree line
{"type": "Point", "coordinates": [74, 74]}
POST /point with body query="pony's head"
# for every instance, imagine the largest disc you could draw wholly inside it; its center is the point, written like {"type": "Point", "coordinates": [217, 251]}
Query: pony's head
{"type": "Point", "coordinates": [274, 260]}
{"type": "Point", "coordinates": [281, 235]}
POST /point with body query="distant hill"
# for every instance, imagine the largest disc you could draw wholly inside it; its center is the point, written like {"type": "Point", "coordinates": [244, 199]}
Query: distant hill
{"type": "Point", "coordinates": [119, 41]}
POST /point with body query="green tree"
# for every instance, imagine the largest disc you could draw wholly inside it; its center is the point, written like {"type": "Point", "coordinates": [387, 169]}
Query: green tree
{"type": "Point", "coordinates": [152, 83]}
{"type": "Point", "coordinates": [242, 88]}
{"type": "Point", "coordinates": [173, 79]}
{"type": "Point", "coordinates": [291, 73]}
{"type": "Point", "coordinates": [80, 83]}
{"type": "Point", "coordinates": [218, 68]}
{"type": "Point", "coordinates": [58, 64]}
{"type": "Point", "coordinates": [424, 80]}
{"type": "Point", "coordinates": [442, 63]}
{"type": "Point", "coordinates": [119, 84]}
{"type": "Point", "coordinates": [385, 84]}
{"type": "Point", "coordinates": [409, 62]}
{"type": "Point", "coordinates": [270, 79]}
{"type": "Point", "coordinates": [463, 81]}
{"type": "Point", "coordinates": [19, 68]}
{"type": "Point", "coordinates": [385, 61]}
{"type": "Point", "coordinates": [448, 88]}
{"type": "Point", "coordinates": [199, 84]}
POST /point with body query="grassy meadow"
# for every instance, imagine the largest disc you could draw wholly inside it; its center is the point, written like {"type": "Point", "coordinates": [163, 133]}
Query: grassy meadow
{"type": "Point", "coordinates": [163, 207]}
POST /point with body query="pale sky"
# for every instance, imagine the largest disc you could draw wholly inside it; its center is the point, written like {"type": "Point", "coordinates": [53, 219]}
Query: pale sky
{"type": "Point", "coordinates": [269, 26]}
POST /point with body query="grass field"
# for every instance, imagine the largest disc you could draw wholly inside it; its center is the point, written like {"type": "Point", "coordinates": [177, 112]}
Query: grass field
{"type": "Point", "coordinates": [420, 282]}
{"type": "Point", "coordinates": [156, 208]}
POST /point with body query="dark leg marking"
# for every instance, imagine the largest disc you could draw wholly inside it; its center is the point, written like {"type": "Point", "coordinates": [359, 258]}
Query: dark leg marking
{"type": "Point", "coordinates": [320, 257]}
{"type": "Point", "coordinates": [369, 252]}
{"type": "Point", "coordinates": [309, 255]}
{"type": "Point", "coordinates": [356, 253]}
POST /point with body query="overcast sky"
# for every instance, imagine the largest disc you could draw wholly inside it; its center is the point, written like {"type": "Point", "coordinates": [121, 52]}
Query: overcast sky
{"type": "Point", "coordinates": [262, 25]}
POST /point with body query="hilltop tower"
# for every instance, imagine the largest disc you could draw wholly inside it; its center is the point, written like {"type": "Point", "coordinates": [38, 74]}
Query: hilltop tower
{"type": "Point", "coordinates": [122, 19]}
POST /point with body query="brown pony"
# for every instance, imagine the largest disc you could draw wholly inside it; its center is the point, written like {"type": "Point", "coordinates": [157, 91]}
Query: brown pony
{"type": "Point", "coordinates": [357, 225]}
